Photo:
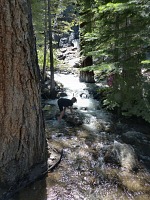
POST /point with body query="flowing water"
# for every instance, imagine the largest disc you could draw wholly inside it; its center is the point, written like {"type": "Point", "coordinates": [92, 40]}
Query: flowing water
{"type": "Point", "coordinates": [96, 164]}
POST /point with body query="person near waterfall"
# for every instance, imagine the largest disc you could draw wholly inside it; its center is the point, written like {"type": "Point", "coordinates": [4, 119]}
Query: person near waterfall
{"type": "Point", "coordinates": [64, 103]}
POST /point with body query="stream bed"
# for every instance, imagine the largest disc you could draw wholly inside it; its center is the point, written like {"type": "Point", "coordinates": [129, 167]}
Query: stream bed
{"type": "Point", "coordinates": [102, 158]}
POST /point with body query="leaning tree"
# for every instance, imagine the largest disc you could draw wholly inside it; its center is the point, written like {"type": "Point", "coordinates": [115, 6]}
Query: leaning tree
{"type": "Point", "coordinates": [22, 137]}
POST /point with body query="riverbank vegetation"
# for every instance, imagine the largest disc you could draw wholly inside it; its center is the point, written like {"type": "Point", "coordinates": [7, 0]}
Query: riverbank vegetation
{"type": "Point", "coordinates": [120, 43]}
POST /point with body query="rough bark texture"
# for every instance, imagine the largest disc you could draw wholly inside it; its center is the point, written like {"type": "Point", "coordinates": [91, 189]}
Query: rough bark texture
{"type": "Point", "coordinates": [87, 76]}
{"type": "Point", "coordinates": [22, 138]}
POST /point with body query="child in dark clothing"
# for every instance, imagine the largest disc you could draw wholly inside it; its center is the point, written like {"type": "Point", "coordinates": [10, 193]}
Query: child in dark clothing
{"type": "Point", "coordinates": [63, 104]}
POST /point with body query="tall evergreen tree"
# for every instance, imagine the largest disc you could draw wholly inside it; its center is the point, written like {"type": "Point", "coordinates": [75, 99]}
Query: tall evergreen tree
{"type": "Point", "coordinates": [51, 13]}
{"type": "Point", "coordinates": [45, 41]}
{"type": "Point", "coordinates": [85, 13]}
{"type": "Point", "coordinates": [22, 136]}
{"type": "Point", "coordinates": [120, 41]}
{"type": "Point", "coordinates": [52, 88]}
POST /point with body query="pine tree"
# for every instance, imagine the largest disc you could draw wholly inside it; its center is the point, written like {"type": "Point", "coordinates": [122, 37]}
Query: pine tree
{"type": "Point", "coordinates": [120, 41]}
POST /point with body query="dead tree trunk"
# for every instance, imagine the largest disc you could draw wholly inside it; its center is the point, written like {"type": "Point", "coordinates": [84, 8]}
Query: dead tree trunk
{"type": "Point", "coordinates": [22, 137]}
{"type": "Point", "coordinates": [87, 76]}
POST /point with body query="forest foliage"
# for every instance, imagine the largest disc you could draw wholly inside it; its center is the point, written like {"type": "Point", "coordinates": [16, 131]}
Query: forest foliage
{"type": "Point", "coordinates": [119, 37]}
{"type": "Point", "coordinates": [116, 34]}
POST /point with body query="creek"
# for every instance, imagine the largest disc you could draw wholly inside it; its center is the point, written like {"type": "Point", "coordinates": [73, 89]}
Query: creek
{"type": "Point", "coordinates": [103, 158]}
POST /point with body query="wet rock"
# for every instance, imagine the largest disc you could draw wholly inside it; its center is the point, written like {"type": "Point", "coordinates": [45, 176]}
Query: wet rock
{"type": "Point", "coordinates": [61, 57]}
{"type": "Point", "coordinates": [121, 154]}
{"type": "Point", "coordinates": [84, 95]}
{"type": "Point", "coordinates": [45, 93]}
{"type": "Point", "coordinates": [139, 140]}
{"type": "Point", "coordinates": [61, 94]}
{"type": "Point", "coordinates": [63, 42]}
{"type": "Point", "coordinates": [63, 50]}
{"type": "Point", "coordinates": [75, 65]}
{"type": "Point", "coordinates": [49, 112]}
{"type": "Point", "coordinates": [83, 108]}
{"type": "Point", "coordinates": [74, 119]}
{"type": "Point", "coordinates": [135, 182]}
{"type": "Point", "coordinates": [134, 138]}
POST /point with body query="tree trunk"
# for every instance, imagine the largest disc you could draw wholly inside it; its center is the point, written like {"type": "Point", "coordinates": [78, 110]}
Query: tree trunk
{"type": "Point", "coordinates": [22, 137]}
{"type": "Point", "coordinates": [52, 86]}
{"type": "Point", "coordinates": [45, 41]}
{"type": "Point", "coordinates": [87, 76]}
{"type": "Point", "coordinates": [86, 27]}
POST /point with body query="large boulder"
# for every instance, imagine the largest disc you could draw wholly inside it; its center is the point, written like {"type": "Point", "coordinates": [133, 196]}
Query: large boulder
{"type": "Point", "coordinates": [121, 154]}
{"type": "Point", "coordinates": [74, 119]}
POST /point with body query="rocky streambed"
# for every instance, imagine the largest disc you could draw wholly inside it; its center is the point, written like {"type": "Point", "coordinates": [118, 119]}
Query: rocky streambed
{"type": "Point", "coordinates": [93, 154]}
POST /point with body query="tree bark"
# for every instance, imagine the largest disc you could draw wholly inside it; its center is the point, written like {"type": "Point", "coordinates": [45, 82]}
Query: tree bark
{"type": "Point", "coordinates": [86, 27]}
{"type": "Point", "coordinates": [87, 76]}
{"type": "Point", "coordinates": [52, 86]}
{"type": "Point", "coordinates": [45, 41]}
{"type": "Point", "coordinates": [22, 137]}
